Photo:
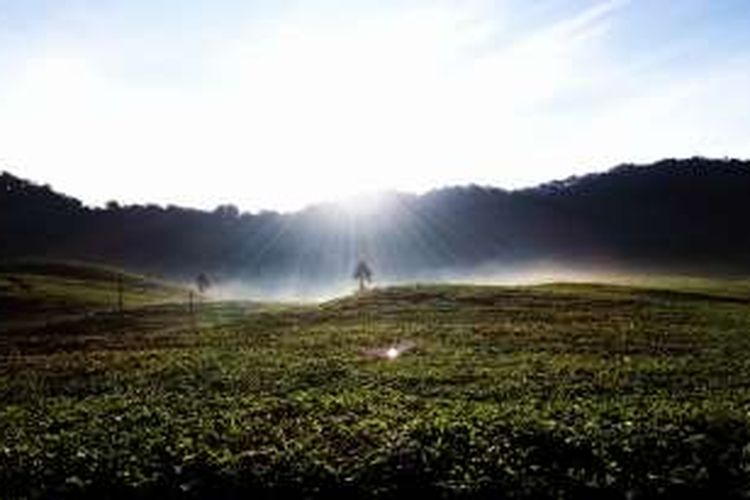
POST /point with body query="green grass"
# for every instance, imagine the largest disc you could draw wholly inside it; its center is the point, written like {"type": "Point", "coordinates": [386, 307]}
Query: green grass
{"type": "Point", "coordinates": [562, 391]}
{"type": "Point", "coordinates": [34, 292]}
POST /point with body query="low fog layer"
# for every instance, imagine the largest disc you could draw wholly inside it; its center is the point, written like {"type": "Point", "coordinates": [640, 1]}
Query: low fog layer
{"type": "Point", "coordinates": [289, 289]}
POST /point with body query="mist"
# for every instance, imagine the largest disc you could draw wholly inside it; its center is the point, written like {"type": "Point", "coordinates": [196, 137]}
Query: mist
{"type": "Point", "coordinates": [294, 289]}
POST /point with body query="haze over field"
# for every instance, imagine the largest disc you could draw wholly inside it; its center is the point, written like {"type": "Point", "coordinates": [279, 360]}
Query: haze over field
{"type": "Point", "coordinates": [275, 105]}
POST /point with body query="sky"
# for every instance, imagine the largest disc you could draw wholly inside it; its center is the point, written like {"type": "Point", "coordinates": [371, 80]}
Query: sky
{"type": "Point", "coordinates": [279, 104]}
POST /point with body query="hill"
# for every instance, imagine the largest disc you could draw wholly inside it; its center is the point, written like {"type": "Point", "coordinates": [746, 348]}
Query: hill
{"type": "Point", "coordinates": [36, 292]}
{"type": "Point", "coordinates": [673, 216]}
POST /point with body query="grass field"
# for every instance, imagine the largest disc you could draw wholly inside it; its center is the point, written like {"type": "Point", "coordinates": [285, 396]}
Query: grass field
{"type": "Point", "coordinates": [35, 292]}
{"type": "Point", "coordinates": [565, 390]}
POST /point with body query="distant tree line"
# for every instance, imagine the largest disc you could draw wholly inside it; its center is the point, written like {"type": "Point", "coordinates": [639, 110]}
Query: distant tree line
{"type": "Point", "coordinates": [680, 214]}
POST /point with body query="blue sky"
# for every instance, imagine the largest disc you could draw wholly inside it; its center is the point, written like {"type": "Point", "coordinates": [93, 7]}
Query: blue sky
{"type": "Point", "coordinates": [280, 104]}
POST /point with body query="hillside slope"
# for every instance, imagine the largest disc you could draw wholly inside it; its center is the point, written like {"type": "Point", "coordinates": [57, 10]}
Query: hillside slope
{"type": "Point", "coordinates": [562, 391]}
{"type": "Point", "coordinates": [41, 291]}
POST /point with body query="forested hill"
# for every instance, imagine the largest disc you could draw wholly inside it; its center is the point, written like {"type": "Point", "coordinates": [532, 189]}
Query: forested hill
{"type": "Point", "coordinates": [676, 214]}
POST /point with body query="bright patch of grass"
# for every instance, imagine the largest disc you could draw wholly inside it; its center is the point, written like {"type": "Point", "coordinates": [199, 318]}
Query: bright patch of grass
{"type": "Point", "coordinates": [38, 291]}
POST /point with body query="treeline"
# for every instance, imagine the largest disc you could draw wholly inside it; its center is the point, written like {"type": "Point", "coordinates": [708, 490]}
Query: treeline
{"type": "Point", "coordinates": [678, 214]}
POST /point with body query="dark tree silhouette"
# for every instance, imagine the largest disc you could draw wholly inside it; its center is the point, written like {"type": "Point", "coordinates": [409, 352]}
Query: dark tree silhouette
{"type": "Point", "coordinates": [681, 216]}
{"type": "Point", "coordinates": [202, 282]}
{"type": "Point", "coordinates": [363, 274]}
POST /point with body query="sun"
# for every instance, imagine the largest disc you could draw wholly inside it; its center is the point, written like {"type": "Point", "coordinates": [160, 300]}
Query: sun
{"type": "Point", "coordinates": [366, 203]}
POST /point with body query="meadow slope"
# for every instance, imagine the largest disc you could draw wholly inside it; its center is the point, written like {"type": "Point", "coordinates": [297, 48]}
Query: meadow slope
{"type": "Point", "coordinates": [564, 390]}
